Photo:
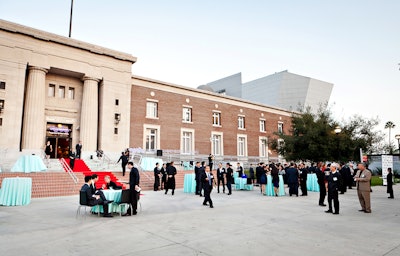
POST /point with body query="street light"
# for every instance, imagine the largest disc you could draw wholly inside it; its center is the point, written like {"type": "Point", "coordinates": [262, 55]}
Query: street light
{"type": "Point", "coordinates": [338, 130]}
{"type": "Point", "coordinates": [397, 137]}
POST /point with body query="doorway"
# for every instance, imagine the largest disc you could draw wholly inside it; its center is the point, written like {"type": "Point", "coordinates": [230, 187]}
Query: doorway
{"type": "Point", "coordinates": [59, 136]}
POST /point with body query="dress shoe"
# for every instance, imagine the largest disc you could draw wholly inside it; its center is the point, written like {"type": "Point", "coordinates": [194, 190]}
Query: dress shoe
{"type": "Point", "coordinates": [367, 211]}
{"type": "Point", "coordinates": [229, 194]}
{"type": "Point", "coordinates": [391, 197]}
{"type": "Point", "coordinates": [205, 204]}
{"type": "Point", "coordinates": [322, 204]}
{"type": "Point", "coordinates": [126, 214]}
{"type": "Point", "coordinates": [335, 213]}
{"type": "Point", "coordinates": [328, 211]}
{"type": "Point", "coordinates": [361, 210]}
{"type": "Point", "coordinates": [341, 193]}
{"type": "Point", "coordinates": [211, 206]}
{"type": "Point", "coordinates": [108, 216]}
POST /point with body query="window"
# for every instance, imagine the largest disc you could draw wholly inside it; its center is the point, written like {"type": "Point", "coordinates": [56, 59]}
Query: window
{"type": "Point", "coordinates": [151, 139]}
{"type": "Point", "coordinates": [262, 125]}
{"type": "Point", "coordinates": [51, 91]}
{"type": "Point", "coordinates": [241, 145]}
{"type": "Point", "coordinates": [71, 93]}
{"type": "Point", "coordinates": [151, 109]}
{"type": "Point", "coordinates": [263, 147]}
{"type": "Point", "coordinates": [216, 119]}
{"type": "Point", "coordinates": [2, 85]}
{"type": "Point", "coordinates": [115, 130]}
{"type": "Point", "coordinates": [187, 143]}
{"type": "Point", "coordinates": [61, 91]}
{"type": "Point", "coordinates": [241, 124]}
{"type": "Point", "coordinates": [217, 144]}
{"type": "Point", "coordinates": [280, 127]}
{"type": "Point", "coordinates": [116, 102]}
{"type": "Point", "coordinates": [187, 114]}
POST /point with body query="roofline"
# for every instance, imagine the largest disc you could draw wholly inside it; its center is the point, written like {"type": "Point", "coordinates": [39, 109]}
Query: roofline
{"type": "Point", "coordinates": [210, 93]}
{"type": "Point", "coordinates": [50, 37]}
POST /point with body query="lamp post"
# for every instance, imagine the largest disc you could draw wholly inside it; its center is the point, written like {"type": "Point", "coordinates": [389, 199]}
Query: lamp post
{"type": "Point", "coordinates": [338, 130]}
{"type": "Point", "coordinates": [397, 137]}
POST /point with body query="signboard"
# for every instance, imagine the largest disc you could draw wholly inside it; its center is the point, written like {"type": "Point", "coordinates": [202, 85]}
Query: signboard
{"type": "Point", "coordinates": [387, 162]}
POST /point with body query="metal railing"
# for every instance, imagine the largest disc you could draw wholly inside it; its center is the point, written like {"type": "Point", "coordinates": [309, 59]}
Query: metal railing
{"type": "Point", "coordinates": [69, 170]}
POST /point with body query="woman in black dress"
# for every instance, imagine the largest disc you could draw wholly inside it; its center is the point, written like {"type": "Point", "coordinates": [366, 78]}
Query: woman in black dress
{"type": "Point", "coordinates": [275, 179]}
{"type": "Point", "coordinates": [263, 179]}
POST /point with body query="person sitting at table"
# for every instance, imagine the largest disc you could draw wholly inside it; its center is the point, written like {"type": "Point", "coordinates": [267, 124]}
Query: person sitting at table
{"type": "Point", "coordinates": [95, 191]}
{"type": "Point", "coordinates": [93, 199]}
{"type": "Point", "coordinates": [109, 184]}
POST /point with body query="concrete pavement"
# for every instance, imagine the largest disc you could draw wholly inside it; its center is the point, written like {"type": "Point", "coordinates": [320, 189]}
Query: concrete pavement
{"type": "Point", "coordinates": [245, 223]}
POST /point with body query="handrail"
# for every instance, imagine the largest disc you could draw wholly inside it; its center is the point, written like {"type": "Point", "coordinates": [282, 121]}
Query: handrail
{"type": "Point", "coordinates": [69, 170]}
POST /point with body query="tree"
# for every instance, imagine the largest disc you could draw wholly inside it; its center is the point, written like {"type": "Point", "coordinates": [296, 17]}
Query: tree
{"type": "Point", "coordinates": [312, 137]}
{"type": "Point", "coordinates": [390, 125]}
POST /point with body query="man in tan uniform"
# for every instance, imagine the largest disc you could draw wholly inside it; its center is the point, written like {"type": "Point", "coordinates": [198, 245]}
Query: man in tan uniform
{"type": "Point", "coordinates": [362, 178]}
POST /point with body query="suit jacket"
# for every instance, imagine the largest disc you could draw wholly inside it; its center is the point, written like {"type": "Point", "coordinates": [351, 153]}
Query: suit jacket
{"type": "Point", "coordinates": [229, 175]}
{"type": "Point", "coordinates": [292, 175]}
{"type": "Point", "coordinates": [206, 183]}
{"type": "Point", "coordinates": [240, 171]}
{"type": "Point", "coordinates": [363, 184]}
{"type": "Point", "coordinates": [220, 173]}
{"type": "Point", "coordinates": [78, 147]}
{"type": "Point", "coordinates": [89, 195]}
{"type": "Point", "coordinates": [113, 185]}
{"type": "Point", "coordinates": [334, 181]}
{"type": "Point", "coordinates": [134, 178]}
{"type": "Point", "coordinates": [303, 174]}
{"type": "Point", "coordinates": [389, 178]}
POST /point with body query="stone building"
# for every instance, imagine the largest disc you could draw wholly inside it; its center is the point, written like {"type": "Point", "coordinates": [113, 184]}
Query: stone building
{"type": "Point", "coordinates": [58, 89]}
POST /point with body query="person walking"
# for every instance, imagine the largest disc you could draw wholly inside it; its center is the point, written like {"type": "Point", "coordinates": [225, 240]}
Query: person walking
{"type": "Point", "coordinates": [389, 179]}
{"type": "Point", "coordinates": [363, 178]}
{"type": "Point", "coordinates": [207, 180]}
{"type": "Point", "coordinates": [334, 185]}
{"type": "Point", "coordinates": [124, 161]}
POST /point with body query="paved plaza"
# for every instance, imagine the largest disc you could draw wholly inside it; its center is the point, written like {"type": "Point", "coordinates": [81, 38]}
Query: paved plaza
{"type": "Point", "coordinates": [245, 223]}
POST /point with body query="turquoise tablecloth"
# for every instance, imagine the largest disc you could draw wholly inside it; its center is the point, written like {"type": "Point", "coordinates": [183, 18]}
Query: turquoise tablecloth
{"type": "Point", "coordinates": [312, 182]}
{"type": "Point", "coordinates": [189, 183]}
{"type": "Point", "coordinates": [148, 163]}
{"type": "Point", "coordinates": [15, 191]}
{"type": "Point", "coordinates": [269, 190]}
{"type": "Point", "coordinates": [29, 163]}
{"type": "Point", "coordinates": [110, 195]}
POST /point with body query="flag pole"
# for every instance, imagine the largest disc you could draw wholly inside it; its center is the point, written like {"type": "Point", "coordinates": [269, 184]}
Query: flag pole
{"type": "Point", "coordinates": [70, 18]}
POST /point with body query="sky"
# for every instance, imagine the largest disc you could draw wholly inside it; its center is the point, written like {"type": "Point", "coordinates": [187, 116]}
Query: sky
{"type": "Point", "coordinates": [354, 44]}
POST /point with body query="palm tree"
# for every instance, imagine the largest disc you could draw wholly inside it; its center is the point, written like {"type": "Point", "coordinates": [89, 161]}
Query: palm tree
{"type": "Point", "coordinates": [390, 125]}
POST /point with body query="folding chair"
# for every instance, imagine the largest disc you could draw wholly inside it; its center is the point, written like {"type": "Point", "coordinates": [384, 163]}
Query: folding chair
{"type": "Point", "coordinates": [83, 202]}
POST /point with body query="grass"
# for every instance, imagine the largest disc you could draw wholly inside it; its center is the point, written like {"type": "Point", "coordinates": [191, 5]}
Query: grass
{"type": "Point", "coordinates": [376, 181]}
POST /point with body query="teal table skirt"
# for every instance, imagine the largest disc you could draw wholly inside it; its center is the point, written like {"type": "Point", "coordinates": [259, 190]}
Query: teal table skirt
{"type": "Point", "coordinates": [269, 190]}
{"type": "Point", "coordinates": [189, 183]}
{"type": "Point", "coordinates": [29, 163]}
{"type": "Point", "coordinates": [16, 191]}
{"type": "Point", "coordinates": [312, 182]}
{"type": "Point", "coordinates": [110, 195]}
{"type": "Point", "coordinates": [148, 163]}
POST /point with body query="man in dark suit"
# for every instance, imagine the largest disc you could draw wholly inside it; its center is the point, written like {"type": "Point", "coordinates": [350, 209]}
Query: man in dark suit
{"type": "Point", "coordinates": [334, 185]}
{"type": "Point", "coordinates": [78, 149]}
{"type": "Point", "coordinates": [293, 180]}
{"type": "Point", "coordinates": [197, 169]}
{"type": "Point", "coordinates": [124, 161]}
{"type": "Point", "coordinates": [93, 199]}
{"type": "Point", "coordinates": [389, 179]}
{"type": "Point", "coordinates": [207, 181]}
{"type": "Point", "coordinates": [72, 157]}
{"type": "Point", "coordinates": [303, 179]}
{"type": "Point", "coordinates": [156, 177]}
{"type": "Point", "coordinates": [229, 178]}
{"type": "Point", "coordinates": [96, 191]}
{"type": "Point", "coordinates": [134, 181]}
{"type": "Point", "coordinates": [221, 177]}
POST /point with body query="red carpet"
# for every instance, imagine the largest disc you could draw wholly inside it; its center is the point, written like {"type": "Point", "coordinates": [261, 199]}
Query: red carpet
{"type": "Point", "coordinates": [80, 166]}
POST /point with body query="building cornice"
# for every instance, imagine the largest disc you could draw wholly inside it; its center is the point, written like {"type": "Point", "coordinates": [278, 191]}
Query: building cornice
{"type": "Point", "coordinates": [50, 37]}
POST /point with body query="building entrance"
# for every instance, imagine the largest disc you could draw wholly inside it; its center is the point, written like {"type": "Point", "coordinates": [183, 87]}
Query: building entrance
{"type": "Point", "coordinates": [59, 136]}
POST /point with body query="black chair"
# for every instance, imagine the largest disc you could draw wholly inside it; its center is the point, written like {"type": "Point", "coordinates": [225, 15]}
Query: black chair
{"type": "Point", "coordinates": [126, 200]}
{"type": "Point", "coordinates": [83, 202]}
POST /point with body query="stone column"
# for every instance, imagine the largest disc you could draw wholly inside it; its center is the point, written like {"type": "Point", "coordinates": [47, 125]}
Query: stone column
{"type": "Point", "coordinates": [89, 115]}
{"type": "Point", "coordinates": [34, 120]}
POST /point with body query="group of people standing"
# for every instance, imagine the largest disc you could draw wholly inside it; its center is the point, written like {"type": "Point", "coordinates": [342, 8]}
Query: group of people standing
{"type": "Point", "coordinates": [166, 174]}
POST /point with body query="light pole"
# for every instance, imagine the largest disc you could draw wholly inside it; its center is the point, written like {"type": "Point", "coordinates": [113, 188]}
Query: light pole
{"type": "Point", "coordinates": [338, 130]}
{"type": "Point", "coordinates": [397, 137]}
